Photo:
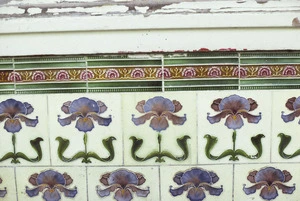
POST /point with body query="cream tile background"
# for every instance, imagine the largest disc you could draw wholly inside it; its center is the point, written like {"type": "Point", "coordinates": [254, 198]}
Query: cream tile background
{"type": "Point", "coordinates": [95, 137]}
{"type": "Point", "coordinates": [224, 134]}
{"type": "Point", "coordinates": [8, 180]}
{"type": "Point", "coordinates": [169, 136]}
{"type": "Point", "coordinates": [23, 137]}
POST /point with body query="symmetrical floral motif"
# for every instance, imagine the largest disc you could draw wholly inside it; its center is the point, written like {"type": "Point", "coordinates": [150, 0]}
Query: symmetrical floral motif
{"type": "Point", "coordinates": [289, 71]}
{"type": "Point", "coordinates": [137, 73]}
{"type": "Point", "coordinates": [62, 75]}
{"type": "Point", "coordinates": [38, 76]}
{"type": "Point", "coordinates": [268, 179]}
{"type": "Point", "coordinates": [163, 72]}
{"type": "Point", "coordinates": [125, 183]}
{"type": "Point", "coordinates": [51, 183]}
{"type": "Point", "coordinates": [214, 72]}
{"type": "Point", "coordinates": [14, 112]}
{"type": "Point", "coordinates": [160, 109]}
{"type": "Point", "coordinates": [195, 181]}
{"type": "Point", "coordinates": [86, 74]}
{"type": "Point", "coordinates": [189, 72]}
{"type": "Point", "coordinates": [235, 107]}
{"type": "Point", "coordinates": [112, 74]}
{"type": "Point", "coordinates": [84, 111]}
{"type": "Point", "coordinates": [2, 192]}
{"type": "Point", "coordinates": [14, 76]}
{"type": "Point", "coordinates": [264, 71]}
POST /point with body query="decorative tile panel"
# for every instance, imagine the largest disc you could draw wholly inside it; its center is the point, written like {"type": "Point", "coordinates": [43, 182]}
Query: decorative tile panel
{"type": "Point", "coordinates": [197, 132]}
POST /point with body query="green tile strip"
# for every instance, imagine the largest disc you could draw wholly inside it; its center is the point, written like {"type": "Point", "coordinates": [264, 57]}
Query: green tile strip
{"type": "Point", "coordinates": [150, 72]}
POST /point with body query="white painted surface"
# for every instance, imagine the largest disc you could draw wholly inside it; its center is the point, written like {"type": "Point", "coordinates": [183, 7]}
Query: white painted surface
{"type": "Point", "coordinates": [189, 25]}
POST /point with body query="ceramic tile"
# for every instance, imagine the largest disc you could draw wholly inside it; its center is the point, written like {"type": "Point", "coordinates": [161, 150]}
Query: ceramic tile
{"type": "Point", "coordinates": [27, 127]}
{"type": "Point", "coordinates": [146, 177]}
{"type": "Point", "coordinates": [216, 136]}
{"type": "Point", "coordinates": [175, 128]}
{"type": "Point", "coordinates": [102, 125]}
{"type": "Point", "coordinates": [248, 175]}
{"type": "Point", "coordinates": [174, 177]}
{"type": "Point", "coordinates": [73, 180]}
{"type": "Point", "coordinates": [7, 184]}
{"type": "Point", "coordinates": [285, 126]}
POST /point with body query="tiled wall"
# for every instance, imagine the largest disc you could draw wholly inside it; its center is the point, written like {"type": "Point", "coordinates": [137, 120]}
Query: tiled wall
{"type": "Point", "coordinates": [238, 144]}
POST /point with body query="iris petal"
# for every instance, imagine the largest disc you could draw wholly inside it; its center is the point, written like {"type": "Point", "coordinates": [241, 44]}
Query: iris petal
{"type": "Point", "coordinates": [139, 192]}
{"type": "Point", "coordinates": [122, 177]}
{"type": "Point", "coordinates": [51, 195]}
{"type": "Point", "coordinates": [285, 189]}
{"type": "Point", "coordinates": [291, 116]}
{"type": "Point", "coordinates": [159, 104]}
{"type": "Point", "coordinates": [68, 120]}
{"type": "Point", "coordinates": [234, 122]}
{"type": "Point", "coordinates": [106, 192]}
{"type": "Point", "coordinates": [196, 194]}
{"type": "Point", "coordinates": [212, 190]}
{"type": "Point", "coordinates": [3, 116]}
{"type": "Point", "coordinates": [123, 195]}
{"type": "Point", "coordinates": [251, 118]}
{"type": "Point", "coordinates": [84, 124]}
{"type": "Point", "coordinates": [101, 121]}
{"type": "Point", "coordinates": [218, 117]}
{"type": "Point", "coordinates": [50, 177]}
{"type": "Point", "coordinates": [28, 122]}
{"type": "Point", "coordinates": [180, 190]}
{"type": "Point", "coordinates": [68, 192]}
{"type": "Point", "coordinates": [2, 193]}
{"type": "Point", "coordinates": [142, 119]}
{"type": "Point", "coordinates": [268, 192]}
{"type": "Point", "coordinates": [12, 125]}
{"type": "Point", "coordinates": [176, 120]}
{"type": "Point", "coordinates": [196, 176]}
{"type": "Point", "coordinates": [159, 123]}
{"type": "Point", "coordinates": [252, 189]}
{"type": "Point", "coordinates": [33, 192]}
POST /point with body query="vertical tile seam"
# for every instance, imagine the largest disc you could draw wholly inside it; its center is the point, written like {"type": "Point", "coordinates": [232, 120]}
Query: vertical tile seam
{"type": "Point", "coordinates": [123, 134]}
{"type": "Point", "coordinates": [239, 70]}
{"type": "Point", "coordinates": [197, 128]}
{"type": "Point", "coordinates": [86, 79]}
{"type": "Point", "coordinates": [233, 176]}
{"type": "Point", "coordinates": [87, 183]}
{"type": "Point", "coordinates": [48, 129]}
{"type": "Point", "coordinates": [159, 182]}
{"type": "Point", "coordinates": [163, 74]}
{"type": "Point", "coordinates": [271, 129]}
{"type": "Point", "coordinates": [14, 77]}
{"type": "Point", "coordinates": [16, 185]}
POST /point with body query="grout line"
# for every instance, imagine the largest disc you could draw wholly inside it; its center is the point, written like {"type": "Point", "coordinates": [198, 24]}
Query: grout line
{"type": "Point", "coordinates": [14, 71]}
{"type": "Point", "coordinates": [233, 169]}
{"type": "Point", "coordinates": [87, 183]}
{"type": "Point", "coordinates": [159, 183]}
{"type": "Point", "coordinates": [16, 185]}
{"type": "Point", "coordinates": [86, 79]}
{"type": "Point", "coordinates": [271, 129]}
{"type": "Point", "coordinates": [162, 74]}
{"type": "Point", "coordinates": [197, 127]}
{"type": "Point", "coordinates": [239, 68]}
{"type": "Point", "coordinates": [48, 129]}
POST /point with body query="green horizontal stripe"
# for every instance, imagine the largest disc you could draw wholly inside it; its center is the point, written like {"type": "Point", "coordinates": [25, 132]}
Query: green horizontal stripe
{"type": "Point", "coordinates": [125, 84]}
{"type": "Point", "coordinates": [270, 60]}
{"type": "Point", "coordinates": [270, 81]}
{"type": "Point", "coordinates": [201, 61]}
{"type": "Point", "coordinates": [50, 85]}
{"type": "Point", "coordinates": [202, 82]}
{"type": "Point", "coordinates": [50, 65]}
{"type": "Point", "coordinates": [124, 62]}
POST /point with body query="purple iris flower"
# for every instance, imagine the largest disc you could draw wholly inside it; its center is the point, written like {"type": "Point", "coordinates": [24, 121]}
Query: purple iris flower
{"type": "Point", "coordinates": [2, 192]}
{"type": "Point", "coordinates": [292, 104]}
{"type": "Point", "coordinates": [15, 111]}
{"type": "Point", "coordinates": [125, 182]}
{"type": "Point", "coordinates": [54, 182]}
{"type": "Point", "coordinates": [159, 109]}
{"type": "Point", "coordinates": [269, 178]}
{"type": "Point", "coordinates": [86, 110]}
{"type": "Point", "coordinates": [235, 107]}
{"type": "Point", "coordinates": [195, 181]}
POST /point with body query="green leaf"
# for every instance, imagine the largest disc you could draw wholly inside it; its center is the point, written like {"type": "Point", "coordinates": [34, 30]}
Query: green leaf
{"type": "Point", "coordinates": [136, 145]}
{"type": "Point", "coordinates": [256, 141]}
{"type": "Point", "coordinates": [63, 145]}
{"type": "Point", "coordinates": [109, 147]}
{"type": "Point", "coordinates": [284, 142]}
{"type": "Point", "coordinates": [7, 156]}
{"type": "Point", "coordinates": [211, 142]}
